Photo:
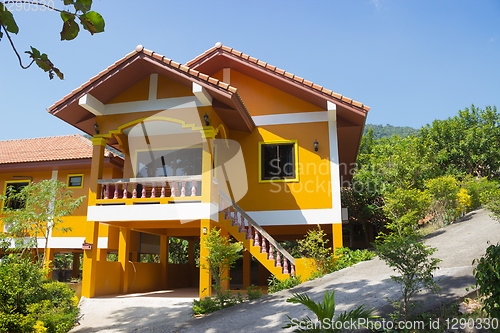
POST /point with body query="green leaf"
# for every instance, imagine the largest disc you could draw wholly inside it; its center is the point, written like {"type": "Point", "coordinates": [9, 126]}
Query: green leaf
{"type": "Point", "coordinates": [59, 74]}
{"type": "Point", "coordinates": [93, 22]}
{"type": "Point", "coordinates": [43, 65]}
{"type": "Point", "coordinates": [68, 2]}
{"type": "Point", "coordinates": [35, 52]}
{"type": "Point", "coordinates": [67, 16]}
{"type": "Point", "coordinates": [7, 20]}
{"type": "Point", "coordinates": [83, 5]}
{"type": "Point", "coordinates": [70, 30]}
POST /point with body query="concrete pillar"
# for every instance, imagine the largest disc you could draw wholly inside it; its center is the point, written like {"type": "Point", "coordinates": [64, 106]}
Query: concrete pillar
{"type": "Point", "coordinates": [102, 254]}
{"type": "Point", "coordinates": [205, 277]}
{"type": "Point", "coordinates": [164, 260]}
{"type": "Point", "coordinates": [226, 282]}
{"type": "Point", "coordinates": [123, 258]}
{"type": "Point", "coordinates": [191, 262]}
{"type": "Point", "coordinates": [263, 275]}
{"type": "Point", "coordinates": [49, 262]}
{"type": "Point", "coordinates": [247, 261]}
{"type": "Point", "coordinates": [92, 228]}
{"type": "Point", "coordinates": [336, 236]}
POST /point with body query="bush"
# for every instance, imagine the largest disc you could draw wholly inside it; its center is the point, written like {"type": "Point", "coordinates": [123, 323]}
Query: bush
{"type": "Point", "coordinates": [345, 257]}
{"type": "Point", "coordinates": [487, 274]}
{"type": "Point", "coordinates": [314, 245]}
{"type": "Point", "coordinates": [276, 284]}
{"type": "Point", "coordinates": [491, 199]}
{"type": "Point", "coordinates": [29, 302]}
{"type": "Point", "coordinates": [253, 292]}
{"type": "Point", "coordinates": [475, 187]}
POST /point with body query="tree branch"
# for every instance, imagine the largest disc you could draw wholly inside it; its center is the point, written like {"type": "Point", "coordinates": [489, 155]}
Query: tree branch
{"type": "Point", "coordinates": [14, 48]}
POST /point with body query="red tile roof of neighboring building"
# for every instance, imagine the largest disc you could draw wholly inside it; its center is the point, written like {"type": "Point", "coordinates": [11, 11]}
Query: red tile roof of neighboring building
{"type": "Point", "coordinates": [277, 71]}
{"type": "Point", "coordinates": [53, 148]}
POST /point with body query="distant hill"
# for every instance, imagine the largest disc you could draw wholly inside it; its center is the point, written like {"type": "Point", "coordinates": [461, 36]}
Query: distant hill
{"type": "Point", "coordinates": [386, 131]}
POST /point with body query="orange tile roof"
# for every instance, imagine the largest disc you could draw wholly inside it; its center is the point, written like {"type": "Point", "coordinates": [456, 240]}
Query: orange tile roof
{"type": "Point", "coordinates": [53, 148]}
{"type": "Point", "coordinates": [165, 60]}
{"type": "Point", "coordinates": [277, 71]}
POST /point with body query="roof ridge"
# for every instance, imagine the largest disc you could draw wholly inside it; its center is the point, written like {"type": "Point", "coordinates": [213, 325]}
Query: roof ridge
{"type": "Point", "coordinates": [157, 56]}
{"type": "Point", "coordinates": [186, 69]}
{"type": "Point", "coordinates": [280, 72]}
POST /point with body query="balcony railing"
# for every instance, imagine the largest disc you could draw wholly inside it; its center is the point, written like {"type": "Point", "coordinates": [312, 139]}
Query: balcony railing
{"type": "Point", "coordinates": [151, 188]}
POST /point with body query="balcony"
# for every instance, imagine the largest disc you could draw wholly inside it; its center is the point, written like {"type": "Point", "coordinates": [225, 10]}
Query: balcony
{"type": "Point", "coordinates": [152, 199]}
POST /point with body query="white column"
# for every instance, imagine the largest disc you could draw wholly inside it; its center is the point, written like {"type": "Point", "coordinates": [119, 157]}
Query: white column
{"type": "Point", "coordinates": [334, 162]}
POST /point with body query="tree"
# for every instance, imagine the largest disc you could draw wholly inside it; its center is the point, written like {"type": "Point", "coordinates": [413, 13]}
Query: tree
{"type": "Point", "coordinates": [44, 205]}
{"type": "Point", "coordinates": [411, 259]}
{"type": "Point", "coordinates": [79, 9]}
{"type": "Point", "coordinates": [468, 143]}
{"type": "Point", "coordinates": [222, 254]}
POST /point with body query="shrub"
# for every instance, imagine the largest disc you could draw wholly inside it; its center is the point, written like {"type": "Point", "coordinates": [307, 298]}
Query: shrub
{"type": "Point", "coordinates": [206, 305]}
{"type": "Point", "coordinates": [443, 191]}
{"type": "Point", "coordinates": [475, 187]}
{"type": "Point", "coordinates": [487, 274]}
{"type": "Point", "coordinates": [276, 284]}
{"type": "Point", "coordinates": [29, 302]}
{"type": "Point", "coordinates": [345, 257]}
{"type": "Point", "coordinates": [314, 245]}
{"type": "Point", "coordinates": [491, 199]}
{"type": "Point", "coordinates": [253, 292]}
{"type": "Point", "coordinates": [325, 312]}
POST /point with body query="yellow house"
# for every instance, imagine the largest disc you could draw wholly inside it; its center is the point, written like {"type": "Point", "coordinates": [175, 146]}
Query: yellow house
{"type": "Point", "coordinates": [224, 141]}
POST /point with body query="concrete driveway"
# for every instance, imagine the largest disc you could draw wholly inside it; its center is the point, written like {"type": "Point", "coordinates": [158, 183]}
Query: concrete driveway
{"type": "Point", "coordinates": [365, 283]}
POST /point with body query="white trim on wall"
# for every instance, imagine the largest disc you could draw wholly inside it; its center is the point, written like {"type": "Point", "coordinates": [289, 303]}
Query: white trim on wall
{"type": "Point", "coordinates": [291, 118]}
{"type": "Point", "coordinates": [294, 217]}
{"type": "Point", "coordinates": [334, 162]}
{"type": "Point", "coordinates": [153, 212]}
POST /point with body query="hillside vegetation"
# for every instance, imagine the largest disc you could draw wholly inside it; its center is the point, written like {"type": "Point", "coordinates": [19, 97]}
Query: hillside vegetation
{"type": "Point", "coordinates": [386, 131]}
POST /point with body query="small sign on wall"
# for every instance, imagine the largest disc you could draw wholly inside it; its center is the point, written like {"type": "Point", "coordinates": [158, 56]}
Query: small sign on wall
{"type": "Point", "coordinates": [87, 246]}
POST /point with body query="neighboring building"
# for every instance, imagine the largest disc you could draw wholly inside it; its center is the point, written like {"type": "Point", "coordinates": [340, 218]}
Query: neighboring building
{"type": "Point", "coordinates": [67, 159]}
{"type": "Point", "coordinates": [224, 137]}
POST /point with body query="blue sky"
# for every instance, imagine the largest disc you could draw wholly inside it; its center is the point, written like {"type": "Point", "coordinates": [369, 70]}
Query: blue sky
{"type": "Point", "coordinates": [410, 61]}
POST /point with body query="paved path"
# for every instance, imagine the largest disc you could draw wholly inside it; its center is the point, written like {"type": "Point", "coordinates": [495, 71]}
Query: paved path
{"type": "Point", "coordinates": [365, 283]}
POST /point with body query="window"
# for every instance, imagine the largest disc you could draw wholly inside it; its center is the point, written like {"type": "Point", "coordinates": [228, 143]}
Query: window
{"type": "Point", "coordinates": [15, 186]}
{"type": "Point", "coordinates": [166, 163]}
{"type": "Point", "coordinates": [75, 181]}
{"type": "Point", "coordinates": [278, 161]}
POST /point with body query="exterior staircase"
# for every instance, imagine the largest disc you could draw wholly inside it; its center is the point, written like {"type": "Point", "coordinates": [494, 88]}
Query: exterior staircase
{"type": "Point", "coordinates": [255, 239]}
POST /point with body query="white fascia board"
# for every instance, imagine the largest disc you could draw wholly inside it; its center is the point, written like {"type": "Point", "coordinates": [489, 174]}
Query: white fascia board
{"type": "Point", "coordinates": [91, 104]}
{"type": "Point", "coordinates": [153, 212]}
{"type": "Point", "coordinates": [202, 94]}
{"type": "Point", "coordinates": [66, 242]}
{"type": "Point", "coordinates": [294, 217]}
{"type": "Point", "coordinates": [291, 118]}
{"type": "Point", "coordinates": [152, 105]}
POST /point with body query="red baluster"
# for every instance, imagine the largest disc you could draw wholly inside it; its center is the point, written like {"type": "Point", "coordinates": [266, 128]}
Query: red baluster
{"type": "Point", "coordinates": [249, 231]}
{"type": "Point", "coordinates": [285, 266]}
{"type": "Point", "coordinates": [143, 194]}
{"type": "Point", "coordinates": [115, 195]}
{"type": "Point", "coordinates": [256, 239]}
{"type": "Point", "coordinates": [236, 220]}
{"type": "Point", "coordinates": [163, 185]}
{"type": "Point", "coordinates": [106, 196]}
{"type": "Point", "coordinates": [292, 272]}
{"type": "Point", "coordinates": [134, 192]}
{"type": "Point", "coordinates": [242, 225]}
{"type": "Point", "coordinates": [193, 188]}
{"type": "Point", "coordinates": [153, 190]}
{"type": "Point", "coordinates": [228, 211]}
{"type": "Point", "coordinates": [102, 192]}
{"type": "Point", "coordinates": [183, 189]}
{"type": "Point", "coordinates": [263, 247]}
{"type": "Point", "coordinates": [173, 186]}
{"type": "Point", "coordinates": [125, 193]}
{"type": "Point", "coordinates": [278, 259]}
{"type": "Point", "coordinates": [271, 252]}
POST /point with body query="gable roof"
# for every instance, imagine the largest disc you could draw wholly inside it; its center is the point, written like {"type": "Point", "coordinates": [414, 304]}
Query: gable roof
{"type": "Point", "coordinates": [220, 49]}
{"type": "Point", "coordinates": [54, 148]}
{"type": "Point", "coordinates": [134, 67]}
